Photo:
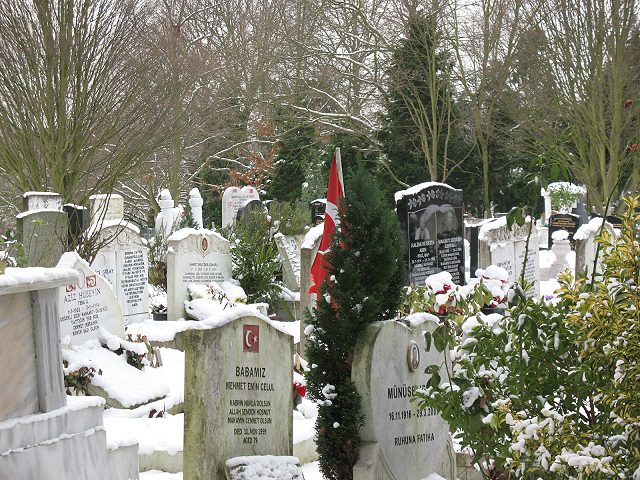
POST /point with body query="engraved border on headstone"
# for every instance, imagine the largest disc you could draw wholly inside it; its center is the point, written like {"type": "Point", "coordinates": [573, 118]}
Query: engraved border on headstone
{"type": "Point", "coordinates": [432, 225]}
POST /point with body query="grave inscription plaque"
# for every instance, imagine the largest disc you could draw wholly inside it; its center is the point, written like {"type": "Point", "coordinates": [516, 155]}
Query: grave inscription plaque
{"type": "Point", "coordinates": [238, 399]}
{"type": "Point", "coordinates": [194, 256]}
{"type": "Point", "coordinates": [430, 215]}
{"type": "Point", "coordinates": [87, 305]}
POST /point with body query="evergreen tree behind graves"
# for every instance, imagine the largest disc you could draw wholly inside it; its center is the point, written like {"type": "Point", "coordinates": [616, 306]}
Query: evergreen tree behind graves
{"type": "Point", "coordinates": [366, 275]}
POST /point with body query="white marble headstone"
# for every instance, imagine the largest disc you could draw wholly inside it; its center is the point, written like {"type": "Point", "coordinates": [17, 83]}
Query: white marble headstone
{"type": "Point", "coordinates": [506, 248]}
{"type": "Point", "coordinates": [124, 263]}
{"type": "Point", "coordinates": [42, 201]}
{"type": "Point", "coordinates": [194, 256]}
{"type": "Point", "coordinates": [399, 441]}
{"type": "Point", "coordinates": [232, 199]}
{"type": "Point", "coordinates": [88, 304]}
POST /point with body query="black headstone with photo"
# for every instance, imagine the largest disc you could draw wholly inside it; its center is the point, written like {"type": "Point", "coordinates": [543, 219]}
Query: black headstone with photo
{"type": "Point", "coordinates": [430, 215]}
{"type": "Point", "coordinates": [317, 211]}
{"type": "Point", "coordinates": [564, 221]}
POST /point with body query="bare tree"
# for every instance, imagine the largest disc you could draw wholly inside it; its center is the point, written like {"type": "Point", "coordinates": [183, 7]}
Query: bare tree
{"type": "Point", "coordinates": [82, 101]}
{"type": "Point", "coordinates": [584, 112]}
{"type": "Point", "coordinates": [485, 36]}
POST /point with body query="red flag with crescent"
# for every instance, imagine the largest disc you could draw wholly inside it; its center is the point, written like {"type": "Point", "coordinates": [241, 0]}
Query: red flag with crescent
{"type": "Point", "coordinates": [331, 222]}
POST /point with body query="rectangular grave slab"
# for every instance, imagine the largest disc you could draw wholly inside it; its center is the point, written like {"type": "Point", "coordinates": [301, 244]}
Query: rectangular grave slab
{"type": "Point", "coordinates": [238, 395]}
{"type": "Point", "coordinates": [194, 256]}
{"type": "Point", "coordinates": [87, 305]}
{"type": "Point", "coordinates": [430, 216]}
{"type": "Point", "coordinates": [399, 440]}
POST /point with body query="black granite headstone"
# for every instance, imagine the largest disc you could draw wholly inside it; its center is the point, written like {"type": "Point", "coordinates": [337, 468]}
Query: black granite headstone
{"type": "Point", "coordinates": [246, 209]}
{"type": "Point", "coordinates": [564, 221]}
{"type": "Point", "coordinates": [432, 227]}
{"type": "Point", "coordinates": [317, 211]}
{"type": "Point", "coordinates": [78, 222]}
{"type": "Point", "coordinates": [615, 220]}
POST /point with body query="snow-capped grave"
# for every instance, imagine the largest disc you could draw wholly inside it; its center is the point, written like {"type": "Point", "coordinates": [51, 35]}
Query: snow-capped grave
{"type": "Point", "coordinates": [265, 467]}
{"type": "Point", "coordinates": [88, 304]}
{"type": "Point", "coordinates": [430, 215]}
{"type": "Point", "coordinates": [194, 256]}
{"type": "Point", "coordinates": [44, 433]}
{"type": "Point", "coordinates": [232, 199]}
{"type": "Point", "coordinates": [238, 394]}
{"type": "Point", "coordinates": [398, 439]}
{"type": "Point", "coordinates": [506, 248]}
{"type": "Point", "coordinates": [42, 228]}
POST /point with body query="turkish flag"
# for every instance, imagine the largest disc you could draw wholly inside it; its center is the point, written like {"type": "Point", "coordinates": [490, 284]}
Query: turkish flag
{"type": "Point", "coordinates": [331, 222]}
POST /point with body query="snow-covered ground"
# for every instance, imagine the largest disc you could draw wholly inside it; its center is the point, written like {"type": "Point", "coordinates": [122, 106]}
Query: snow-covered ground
{"type": "Point", "coordinates": [165, 434]}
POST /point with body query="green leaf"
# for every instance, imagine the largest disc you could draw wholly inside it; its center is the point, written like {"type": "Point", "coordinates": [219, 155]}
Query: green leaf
{"type": "Point", "coordinates": [427, 339]}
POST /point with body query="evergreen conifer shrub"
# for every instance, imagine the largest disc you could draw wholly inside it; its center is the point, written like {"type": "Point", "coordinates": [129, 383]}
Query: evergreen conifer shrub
{"type": "Point", "coordinates": [366, 275]}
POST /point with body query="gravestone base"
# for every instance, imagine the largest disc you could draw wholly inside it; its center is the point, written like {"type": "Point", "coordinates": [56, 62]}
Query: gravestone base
{"type": "Point", "coordinates": [71, 439]}
{"type": "Point", "coordinates": [266, 467]}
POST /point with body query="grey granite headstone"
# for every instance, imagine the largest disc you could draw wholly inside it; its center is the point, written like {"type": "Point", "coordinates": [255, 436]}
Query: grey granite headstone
{"type": "Point", "coordinates": [232, 199]}
{"type": "Point", "coordinates": [238, 395]}
{"type": "Point", "coordinates": [43, 233]}
{"type": "Point", "coordinates": [87, 305]}
{"type": "Point", "coordinates": [194, 256]}
{"type": "Point", "coordinates": [399, 441]}
{"type": "Point", "coordinates": [430, 216]}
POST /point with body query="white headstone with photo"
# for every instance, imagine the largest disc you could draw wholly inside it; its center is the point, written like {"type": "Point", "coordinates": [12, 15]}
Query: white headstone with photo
{"type": "Point", "coordinates": [87, 305]}
{"type": "Point", "coordinates": [506, 248]}
{"type": "Point", "coordinates": [232, 199]}
{"type": "Point", "coordinates": [194, 256]}
{"type": "Point", "coordinates": [399, 440]}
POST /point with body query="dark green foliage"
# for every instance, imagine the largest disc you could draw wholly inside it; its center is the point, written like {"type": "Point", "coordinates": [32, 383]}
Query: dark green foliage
{"type": "Point", "coordinates": [255, 257]}
{"type": "Point", "coordinates": [418, 56]}
{"type": "Point", "coordinates": [367, 276]}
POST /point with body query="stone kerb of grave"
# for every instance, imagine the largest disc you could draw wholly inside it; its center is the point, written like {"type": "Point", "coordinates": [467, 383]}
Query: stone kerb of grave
{"type": "Point", "coordinates": [399, 441]}
{"type": "Point", "coordinates": [498, 245]}
{"type": "Point", "coordinates": [87, 305]}
{"type": "Point", "coordinates": [238, 394]}
{"type": "Point", "coordinates": [194, 256]}
{"type": "Point", "coordinates": [123, 261]}
{"type": "Point", "coordinates": [431, 219]}
{"type": "Point", "coordinates": [30, 358]}
{"type": "Point", "coordinates": [232, 199]}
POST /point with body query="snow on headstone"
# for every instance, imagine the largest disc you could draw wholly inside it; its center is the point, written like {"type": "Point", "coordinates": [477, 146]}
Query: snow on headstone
{"type": "Point", "coordinates": [88, 304]}
{"type": "Point", "coordinates": [42, 228]}
{"type": "Point", "coordinates": [399, 440]}
{"type": "Point", "coordinates": [232, 200]}
{"type": "Point", "coordinates": [238, 394]}
{"type": "Point", "coordinates": [264, 467]}
{"type": "Point", "coordinates": [105, 208]}
{"type": "Point", "coordinates": [430, 216]}
{"type": "Point", "coordinates": [194, 256]}
{"type": "Point", "coordinates": [289, 251]}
